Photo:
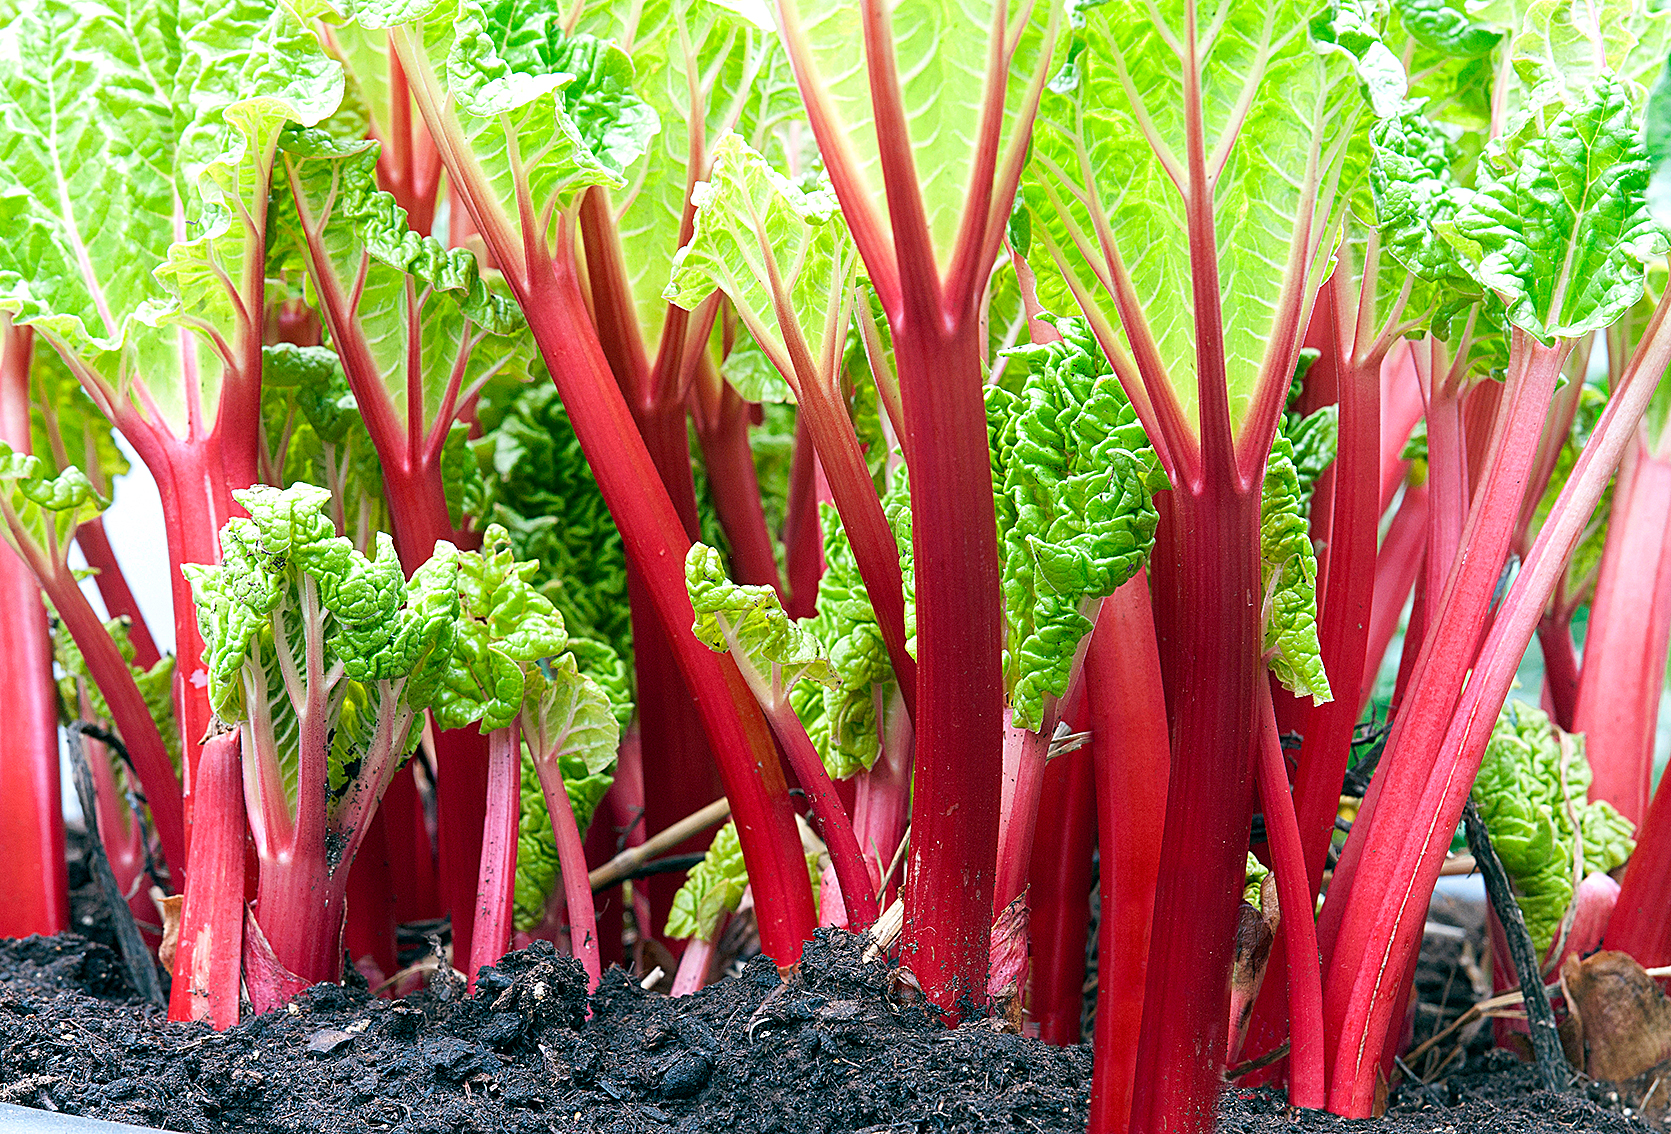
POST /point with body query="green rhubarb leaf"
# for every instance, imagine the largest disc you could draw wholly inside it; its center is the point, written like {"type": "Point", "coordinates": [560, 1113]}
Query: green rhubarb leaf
{"type": "Point", "coordinates": [841, 719]}
{"type": "Point", "coordinates": [1111, 128]}
{"type": "Point", "coordinates": [542, 115]}
{"type": "Point", "coordinates": [1446, 27]}
{"type": "Point", "coordinates": [571, 731]}
{"type": "Point", "coordinates": [545, 496]}
{"type": "Point", "coordinates": [287, 584]}
{"type": "Point", "coordinates": [113, 113]}
{"type": "Point", "coordinates": [750, 622]}
{"type": "Point", "coordinates": [505, 627]}
{"type": "Point", "coordinates": [1530, 792]}
{"type": "Point", "coordinates": [713, 888]}
{"type": "Point", "coordinates": [742, 79]}
{"type": "Point", "coordinates": [406, 309]}
{"type": "Point", "coordinates": [1558, 227]}
{"type": "Point", "coordinates": [761, 240]}
{"type": "Point", "coordinates": [1560, 50]}
{"type": "Point", "coordinates": [942, 58]}
{"type": "Point", "coordinates": [41, 508]}
{"type": "Point", "coordinates": [1656, 147]}
{"type": "Point", "coordinates": [1073, 475]}
{"type": "Point", "coordinates": [1315, 438]}
{"type": "Point", "coordinates": [537, 870]}
{"type": "Point", "coordinates": [1288, 571]}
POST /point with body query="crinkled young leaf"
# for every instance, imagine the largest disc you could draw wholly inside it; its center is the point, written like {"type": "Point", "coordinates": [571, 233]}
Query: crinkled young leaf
{"type": "Point", "coordinates": [750, 622]}
{"type": "Point", "coordinates": [1558, 227]}
{"type": "Point", "coordinates": [712, 889]}
{"type": "Point", "coordinates": [1288, 571]}
{"type": "Point", "coordinates": [1254, 882]}
{"type": "Point", "coordinates": [47, 507]}
{"type": "Point", "coordinates": [286, 578]}
{"type": "Point", "coordinates": [1529, 789]}
{"type": "Point", "coordinates": [1446, 27]}
{"type": "Point", "coordinates": [544, 494]}
{"type": "Point", "coordinates": [753, 223]}
{"type": "Point", "coordinates": [1315, 438]}
{"type": "Point", "coordinates": [1279, 87]}
{"type": "Point", "coordinates": [506, 626]}
{"type": "Point", "coordinates": [841, 719]}
{"type": "Point", "coordinates": [1073, 476]}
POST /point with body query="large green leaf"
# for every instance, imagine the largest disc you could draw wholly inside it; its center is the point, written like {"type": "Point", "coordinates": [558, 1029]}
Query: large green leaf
{"type": "Point", "coordinates": [536, 115]}
{"type": "Point", "coordinates": [743, 79]}
{"type": "Point", "coordinates": [423, 313]}
{"type": "Point", "coordinates": [1558, 226]}
{"type": "Point", "coordinates": [1281, 101]}
{"type": "Point", "coordinates": [112, 113]}
{"type": "Point", "coordinates": [941, 52]}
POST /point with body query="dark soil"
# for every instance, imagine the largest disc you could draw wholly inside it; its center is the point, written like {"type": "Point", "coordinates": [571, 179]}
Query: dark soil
{"type": "Point", "coordinates": [836, 1049]}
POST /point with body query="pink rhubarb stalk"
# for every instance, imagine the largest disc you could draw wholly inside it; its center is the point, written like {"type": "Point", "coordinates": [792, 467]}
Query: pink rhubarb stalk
{"type": "Point", "coordinates": [1131, 757]}
{"type": "Point", "coordinates": [496, 885]}
{"type": "Point", "coordinates": [208, 960]}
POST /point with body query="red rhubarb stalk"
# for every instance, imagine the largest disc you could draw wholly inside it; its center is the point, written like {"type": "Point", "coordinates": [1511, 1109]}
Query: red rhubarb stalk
{"type": "Point", "coordinates": [571, 860]}
{"type": "Point", "coordinates": [546, 286]}
{"type": "Point", "coordinates": [1299, 929]}
{"type": "Point", "coordinates": [114, 590]}
{"type": "Point", "coordinates": [1397, 872]}
{"type": "Point", "coordinates": [1397, 566]}
{"type": "Point", "coordinates": [497, 881]}
{"type": "Point", "coordinates": [1131, 758]}
{"type": "Point", "coordinates": [1617, 707]}
{"type": "Point", "coordinates": [1059, 897]}
{"type": "Point", "coordinates": [35, 899]}
{"type": "Point", "coordinates": [208, 960]}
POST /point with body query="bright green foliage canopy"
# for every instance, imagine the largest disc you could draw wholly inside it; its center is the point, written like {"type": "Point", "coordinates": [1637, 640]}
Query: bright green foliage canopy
{"type": "Point", "coordinates": [538, 112]}
{"type": "Point", "coordinates": [1281, 101]}
{"type": "Point", "coordinates": [1531, 794]}
{"type": "Point", "coordinates": [1073, 476]}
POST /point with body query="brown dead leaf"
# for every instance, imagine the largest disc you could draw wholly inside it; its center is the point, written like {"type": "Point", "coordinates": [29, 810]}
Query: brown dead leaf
{"type": "Point", "coordinates": [1255, 931]}
{"type": "Point", "coordinates": [1624, 1020]}
{"type": "Point", "coordinates": [172, 907]}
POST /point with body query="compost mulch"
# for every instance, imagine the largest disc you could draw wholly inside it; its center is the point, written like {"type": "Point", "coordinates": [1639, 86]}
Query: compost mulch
{"type": "Point", "coordinates": [839, 1046]}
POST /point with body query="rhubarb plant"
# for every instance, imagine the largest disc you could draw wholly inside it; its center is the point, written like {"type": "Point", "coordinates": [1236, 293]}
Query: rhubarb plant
{"type": "Point", "coordinates": [523, 132]}
{"type": "Point", "coordinates": [323, 658]}
{"type": "Point", "coordinates": [160, 318]}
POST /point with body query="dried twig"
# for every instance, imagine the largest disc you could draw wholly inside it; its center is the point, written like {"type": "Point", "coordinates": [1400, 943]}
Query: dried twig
{"type": "Point", "coordinates": [623, 865]}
